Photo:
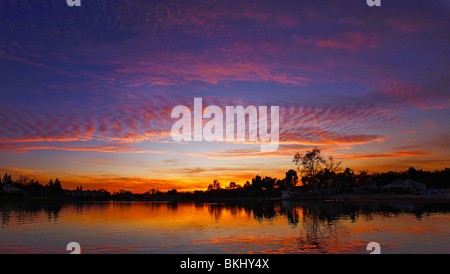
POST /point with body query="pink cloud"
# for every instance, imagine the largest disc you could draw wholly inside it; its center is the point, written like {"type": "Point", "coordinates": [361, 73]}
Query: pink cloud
{"type": "Point", "coordinates": [350, 41]}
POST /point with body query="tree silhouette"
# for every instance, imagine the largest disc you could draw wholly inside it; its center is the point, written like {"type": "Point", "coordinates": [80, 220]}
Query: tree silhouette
{"type": "Point", "coordinates": [268, 183]}
{"type": "Point", "coordinates": [309, 164]}
{"type": "Point", "coordinates": [7, 179]}
{"type": "Point", "coordinates": [332, 165]}
{"type": "Point", "coordinates": [216, 185]}
{"type": "Point", "coordinates": [291, 178]}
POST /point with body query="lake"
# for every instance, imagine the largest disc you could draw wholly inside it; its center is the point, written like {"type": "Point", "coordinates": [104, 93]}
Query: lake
{"type": "Point", "coordinates": [232, 227]}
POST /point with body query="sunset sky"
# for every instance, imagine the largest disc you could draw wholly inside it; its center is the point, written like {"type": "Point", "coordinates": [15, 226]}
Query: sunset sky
{"type": "Point", "coordinates": [87, 92]}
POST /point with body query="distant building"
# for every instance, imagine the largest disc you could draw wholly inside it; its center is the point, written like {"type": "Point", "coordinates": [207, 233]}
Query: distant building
{"type": "Point", "coordinates": [366, 189]}
{"type": "Point", "coordinates": [95, 194]}
{"type": "Point", "coordinates": [72, 193]}
{"type": "Point", "coordinates": [8, 188]}
{"type": "Point", "coordinates": [405, 185]}
{"type": "Point", "coordinates": [291, 194]}
{"type": "Point", "coordinates": [285, 194]}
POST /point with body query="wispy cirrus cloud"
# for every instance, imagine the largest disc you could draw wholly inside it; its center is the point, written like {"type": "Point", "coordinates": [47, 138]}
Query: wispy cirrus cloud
{"type": "Point", "coordinates": [131, 124]}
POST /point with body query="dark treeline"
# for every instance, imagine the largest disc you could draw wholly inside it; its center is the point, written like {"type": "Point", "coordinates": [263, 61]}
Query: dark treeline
{"type": "Point", "coordinates": [319, 175]}
{"type": "Point", "coordinates": [348, 180]}
{"type": "Point", "coordinates": [257, 187]}
{"type": "Point", "coordinates": [325, 176]}
{"type": "Point", "coordinates": [26, 187]}
{"type": "Point", "coordinates": [327, 182]}
{"type": "Point", "coordinates": [322, 174]}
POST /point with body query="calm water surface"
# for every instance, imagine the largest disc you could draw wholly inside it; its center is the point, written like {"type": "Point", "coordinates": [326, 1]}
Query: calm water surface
{"type": "Point", "coordinates": [252, 227]}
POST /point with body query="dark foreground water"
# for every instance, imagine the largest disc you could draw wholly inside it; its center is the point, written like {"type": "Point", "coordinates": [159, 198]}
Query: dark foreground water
{"type": "Point", "coordinates": [244, 227]}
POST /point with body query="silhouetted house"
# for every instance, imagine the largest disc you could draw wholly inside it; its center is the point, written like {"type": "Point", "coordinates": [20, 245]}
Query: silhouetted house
{"type": "Point", "coordinates": [92, 194]}
{"type": "Point", "coordinates": [285, 194]}
{"type": "Point", "coordinates": [8, 188]}
{"type": "Point", "coordinates": [405, 186]}
{"type": "Point", "coordinates": [366, 189]}
{"type": "Point", "coordinates": [73, 193]}
{"type": "Point", "coordinates": [432, 192]}
{"type": "Point", "coordinates": [95, 194]}
{"type": "Point", "coordinates": [291, 194]}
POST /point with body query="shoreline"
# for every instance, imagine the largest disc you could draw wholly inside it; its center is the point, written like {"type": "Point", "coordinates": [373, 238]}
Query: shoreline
{"type": "Point", "coordinates": [337, 198]}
